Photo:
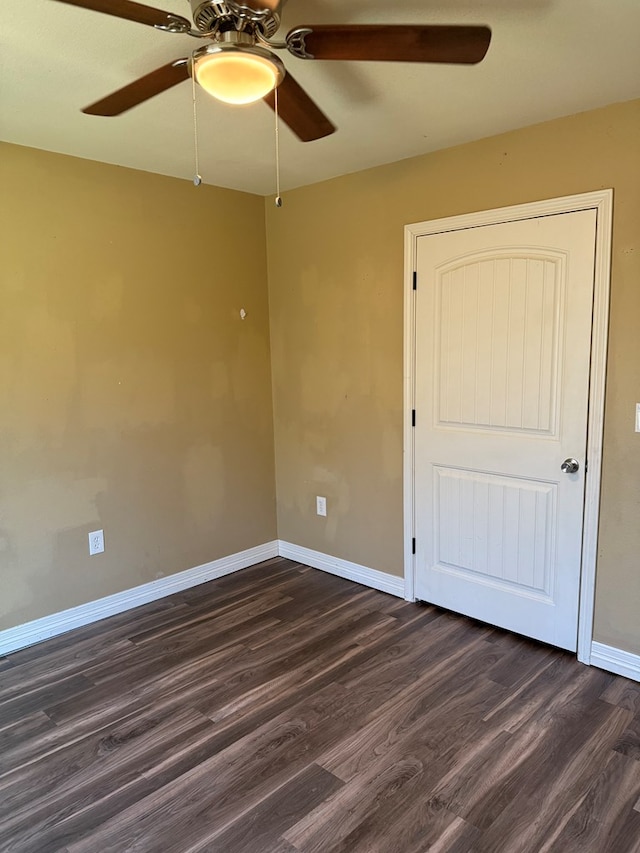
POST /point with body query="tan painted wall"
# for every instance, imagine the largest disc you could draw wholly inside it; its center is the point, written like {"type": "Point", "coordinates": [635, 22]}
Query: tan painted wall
{"type": "Point", "coordinates": [336, 299]}
{"type": "Point", "coordinates": [132, 396]}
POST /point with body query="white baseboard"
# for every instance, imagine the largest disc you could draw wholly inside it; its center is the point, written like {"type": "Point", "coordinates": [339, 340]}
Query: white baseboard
{"type": "Point", "coordinates": [615, 660]}
{"type": "Point", "coordinates": [11, 639]}
{"type": "Point", "coordinates": [343, 568]}
{"type": "Point", "coordinates": [21, 636]}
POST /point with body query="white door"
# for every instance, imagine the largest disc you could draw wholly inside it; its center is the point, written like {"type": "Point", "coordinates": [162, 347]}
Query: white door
{"type": "Point", "coordinates": [503, 337]}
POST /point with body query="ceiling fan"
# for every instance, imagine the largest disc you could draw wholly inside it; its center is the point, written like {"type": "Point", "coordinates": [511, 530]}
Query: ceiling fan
{"type": "Point", "coordinates": [237, 64]}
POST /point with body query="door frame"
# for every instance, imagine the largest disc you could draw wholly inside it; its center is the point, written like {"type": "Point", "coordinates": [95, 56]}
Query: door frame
{"type": "Point", "coordinates": [602, 202]}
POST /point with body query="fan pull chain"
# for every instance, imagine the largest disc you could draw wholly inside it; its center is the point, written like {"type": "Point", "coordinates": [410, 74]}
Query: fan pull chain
{"type": "Point", "coordinates": [278, 201]}
{"type": "Point", "coordinates": [197, 179]}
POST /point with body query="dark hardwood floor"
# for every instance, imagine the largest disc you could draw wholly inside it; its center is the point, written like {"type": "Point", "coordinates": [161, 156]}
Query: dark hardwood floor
{"type": "Point", "coordinates": [282, 709]}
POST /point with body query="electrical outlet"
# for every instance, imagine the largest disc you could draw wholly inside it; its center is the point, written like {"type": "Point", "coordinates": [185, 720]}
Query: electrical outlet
{"type": "Point", "coordinates": [637, 417]}
{"type": "Point", "coordinates": [96, 542]}
{"type": "Point", "coordinates": [321, 505]}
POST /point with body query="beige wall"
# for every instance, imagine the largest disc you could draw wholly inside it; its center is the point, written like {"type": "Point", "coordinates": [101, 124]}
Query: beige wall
{"type": "Point", "coordinates": [336, 297]}
{"type": "Point", "coordinates": [132, 396]}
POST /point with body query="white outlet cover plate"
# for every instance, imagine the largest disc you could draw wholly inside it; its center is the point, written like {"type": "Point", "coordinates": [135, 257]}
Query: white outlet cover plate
{"type": "Point", "coordinates": [321, 505]}
{"type": "Point", "coordinates": [96, 542]}
{"type": "Point", "coordinates": [637, 417]}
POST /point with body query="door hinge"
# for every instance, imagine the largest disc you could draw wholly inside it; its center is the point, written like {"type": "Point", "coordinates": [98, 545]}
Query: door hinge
{"type": "Point", "coordinates": [413, 417]}
{"type": "Point", "coordinates": [413, 545]}
{"type": "Point", "coordinates": [415, 279]}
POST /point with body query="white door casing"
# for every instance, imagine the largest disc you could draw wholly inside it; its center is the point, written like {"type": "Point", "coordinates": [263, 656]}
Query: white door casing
{"type": "Point", "coordinates": [503, 321]}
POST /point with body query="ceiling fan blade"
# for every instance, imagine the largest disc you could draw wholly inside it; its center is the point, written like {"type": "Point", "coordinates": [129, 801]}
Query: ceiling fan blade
{"type": "Point", "coordinates": [296, 109]}
{"type": "Point", "coordinates": [134, 12]}
{"type": "Point", "coordinates": [260, 5]}
{"type": "Point", "coordinates": [141, 90]}
{"type": "Point", "coordinates": [394, 43]}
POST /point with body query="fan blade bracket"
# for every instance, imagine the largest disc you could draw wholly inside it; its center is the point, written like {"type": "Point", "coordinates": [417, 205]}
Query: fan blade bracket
{"type": "Point", "coordinates": [296, 42]}
{"type": "Point", "coordinates": [175, 24]}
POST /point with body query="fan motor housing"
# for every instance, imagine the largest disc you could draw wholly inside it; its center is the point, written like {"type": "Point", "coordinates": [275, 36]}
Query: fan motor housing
{"type": "Point", "coordinates": [212, 16]}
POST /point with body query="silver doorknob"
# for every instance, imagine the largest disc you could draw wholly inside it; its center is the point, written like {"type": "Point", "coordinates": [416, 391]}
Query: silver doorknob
{"type": "Point", "coordinates": [570, 466]}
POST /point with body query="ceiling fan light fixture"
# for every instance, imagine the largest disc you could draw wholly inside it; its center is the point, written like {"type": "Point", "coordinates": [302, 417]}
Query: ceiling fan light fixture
{"type": "Point", "coordinates": [237, 74]}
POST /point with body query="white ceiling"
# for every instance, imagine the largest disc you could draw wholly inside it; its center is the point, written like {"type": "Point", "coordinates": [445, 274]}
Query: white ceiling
{"type": "Point", "coordinates": [548, 58]}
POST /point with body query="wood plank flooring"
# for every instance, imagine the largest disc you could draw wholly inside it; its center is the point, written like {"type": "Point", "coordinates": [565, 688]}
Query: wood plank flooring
{"type": "Point", "coordinates": [284, 710]}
